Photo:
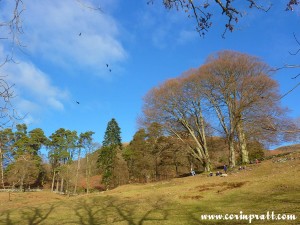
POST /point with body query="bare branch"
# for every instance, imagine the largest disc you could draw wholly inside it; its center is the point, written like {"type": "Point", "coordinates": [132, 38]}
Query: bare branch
{"type": "Point", "coordinates": [260, 7]}
{"type": "Point", "coordinates": [89, 6]}
{"type": "Point", "coordinates": [200, 10]}
{"type": "Point", "coordinates": [295, 53]}
{"type": "Point", "coordinates": [286, 66]}
{"type": "Point", "coordinates": [296, 76]}
{"type": "Point", "coordinates": [291, 4]}
{"type": "Point", "coordinates": [290, 91]}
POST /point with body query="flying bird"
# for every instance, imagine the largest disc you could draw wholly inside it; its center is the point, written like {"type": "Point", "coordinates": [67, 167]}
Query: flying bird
{"type": "Point", "coordinates": [106, 65]}
{"type": "Point", "coordinates": [77, 102]}
{"type": "Point", "coordinates": [79, 34]}
{"type": "Point", "coordinates": [109, 70]}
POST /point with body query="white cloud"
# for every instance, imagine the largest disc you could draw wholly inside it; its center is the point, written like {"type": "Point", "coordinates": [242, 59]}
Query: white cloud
{"type": "Point", "coordinates": [33, 88]}
{"type": "Point", "coordinates": [27, 106]}
{"type": "Point", "coordinates": [59, 36]}
{"type": "Point", "coordinates": [51, 32]}
{"type": "Point", "coordinates": [27, 111]}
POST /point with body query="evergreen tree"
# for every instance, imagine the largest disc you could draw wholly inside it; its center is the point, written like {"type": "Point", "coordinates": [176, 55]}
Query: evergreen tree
{"type": "Point", "coordinates": [112, 135]}
{"type": "Point", "coordinates": [108, 152]}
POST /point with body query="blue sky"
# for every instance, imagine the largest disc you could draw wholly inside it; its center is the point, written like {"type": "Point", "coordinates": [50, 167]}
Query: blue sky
{"type": "Point", "coordinates": [143, 44]}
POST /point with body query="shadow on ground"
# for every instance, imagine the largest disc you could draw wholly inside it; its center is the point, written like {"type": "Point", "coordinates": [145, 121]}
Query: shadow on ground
{"type": "Point", "coordinates": [90, 211]}
{"type": "Point", "coordinates": [96, 211]}
{"type": "Point", "coordinates": [31, 216]}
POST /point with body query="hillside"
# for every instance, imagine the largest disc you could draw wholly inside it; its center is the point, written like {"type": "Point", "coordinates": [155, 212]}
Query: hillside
{"type": "Point", "coordinates": [271, 186]}
{"type": "Point", "coordinates": [282, 150]}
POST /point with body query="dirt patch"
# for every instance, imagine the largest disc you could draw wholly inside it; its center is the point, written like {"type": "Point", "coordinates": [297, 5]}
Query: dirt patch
{"type": "Point", "coordinates": [194, 197]}
{"type": "Point", "coordinates": [225, 186]}
{"type": "Point", "coordinates": [232, 185]}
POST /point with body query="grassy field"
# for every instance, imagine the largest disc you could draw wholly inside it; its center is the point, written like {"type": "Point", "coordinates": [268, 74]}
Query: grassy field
{"type": "Point", "coordinates": [273, 185]}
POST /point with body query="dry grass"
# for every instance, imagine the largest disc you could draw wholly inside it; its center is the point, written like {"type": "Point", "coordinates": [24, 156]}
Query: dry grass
{"type": "Point", "coordinates": [270, 186]}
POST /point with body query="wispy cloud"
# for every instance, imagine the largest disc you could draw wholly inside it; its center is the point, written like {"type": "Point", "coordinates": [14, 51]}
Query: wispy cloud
{"type": "Point", "coordinates": [185, 36]}
{"type": "Point", "coordinates": [66, 34]}
{"type": "Point", "coordinates": [34, 88]}
{"type": "Point", "coordinates": [59, 36]}
{"type": "Point", "coordinates": [162, 23]}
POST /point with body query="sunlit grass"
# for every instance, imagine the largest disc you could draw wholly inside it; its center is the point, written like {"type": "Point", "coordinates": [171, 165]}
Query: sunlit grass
{"type": "Point", "coordinates": [269, 186]}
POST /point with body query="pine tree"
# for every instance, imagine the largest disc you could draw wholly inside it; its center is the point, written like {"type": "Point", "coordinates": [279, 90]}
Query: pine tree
{"type": "Point", "coordinates": [108, 152]}
{"type": "Point", "coordinates": [112, 135]}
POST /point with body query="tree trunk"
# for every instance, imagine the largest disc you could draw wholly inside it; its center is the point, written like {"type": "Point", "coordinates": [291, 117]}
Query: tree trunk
{"type": "Point", "coordinates": [67, 188]}
{"type": "Point", "coordinates": [53, 180]}
{"type": "Point", "coordinates": [57, 183]}
{"type": "Point", "coordinates": [2, 168]}
{"type": "Point", "coordinates": [242, 144]}
{"type": "Point", "coordinates": [87, 174]}
{"type": "Point", "coordinates": [77, 172]}
{"type": "Point", "coordinates": [207, 165]}
{"type": "Point", "coordinates": [175, 163]}
{"type": "Point", "coordinates": [22, 182]}
{"type": "Point", "coordinates": [62, 185]}
{"type": "Point", "coordinates": [232, 162]}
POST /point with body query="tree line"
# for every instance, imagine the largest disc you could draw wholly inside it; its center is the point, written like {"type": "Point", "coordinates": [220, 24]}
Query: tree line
{"type": "Point", "coordinates": [23, 165]}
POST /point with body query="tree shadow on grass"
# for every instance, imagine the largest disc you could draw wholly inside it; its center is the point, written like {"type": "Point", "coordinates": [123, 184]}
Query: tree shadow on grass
{"type": "Point", "coordinates": [111, 210]}
{"type": "Point", "coordinates": [36, 216]}
{"type": "Point", "coordinates": [5, 218]}
{"type": "Point", "coordinates": [30, 216]}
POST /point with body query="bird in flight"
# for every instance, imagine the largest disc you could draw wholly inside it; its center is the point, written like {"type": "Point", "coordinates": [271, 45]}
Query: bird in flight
{"type": "Point", "coordinates": [77, 102]}
{"type": "Point", "coordinates": [79, 34]}
{"type": "Point", "coordinates": [108, 67]}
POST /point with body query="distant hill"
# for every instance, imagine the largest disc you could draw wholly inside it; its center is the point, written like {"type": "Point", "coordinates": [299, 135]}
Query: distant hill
{"type": "Point", "coordinates": [283, 149]}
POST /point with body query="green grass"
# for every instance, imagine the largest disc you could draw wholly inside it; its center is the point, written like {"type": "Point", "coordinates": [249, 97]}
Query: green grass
{"type": "Point", "coordinates": [268, 186]}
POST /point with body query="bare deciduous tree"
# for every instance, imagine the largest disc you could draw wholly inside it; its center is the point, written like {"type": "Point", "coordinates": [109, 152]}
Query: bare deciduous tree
{"type": "Point", "coordinates": [177, 106]}
{"type": "Point", "coordinates": [237, 85]}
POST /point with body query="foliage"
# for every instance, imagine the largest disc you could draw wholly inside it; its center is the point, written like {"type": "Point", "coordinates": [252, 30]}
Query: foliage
{"type": "Point", "coordinates": [112, 135]}
{"type": "Point", "coordinates": [256, 151]}
{"type": "Point", "coordinates": [20, 156]}
{"type": "Point", "coordinates": [106, 161]}
{"type": "Point", "coordinates": [62, 145]}
{"type": "Point", "coordinates": [107, 154]}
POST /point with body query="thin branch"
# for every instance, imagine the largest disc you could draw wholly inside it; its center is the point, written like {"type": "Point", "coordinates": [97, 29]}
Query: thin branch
{"type": "Point", "coordinates": [89, 6]}
{"type": "Point", "coordinates": [295, 53]}
{"type": "Point", "coordinates": [290, 91]}
{"type": "Point", "coordinates": [286, 66]}
{"type": "Point", "coordinates": [253, 4]}
{"type": "Point", "coordinates": [296, 76]}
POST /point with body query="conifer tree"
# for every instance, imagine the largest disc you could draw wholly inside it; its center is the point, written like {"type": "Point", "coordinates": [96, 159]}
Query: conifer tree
{"type": "Point", "coordinates": [112, 135]}
{"type": "Point", "coordinates": [108, 152]}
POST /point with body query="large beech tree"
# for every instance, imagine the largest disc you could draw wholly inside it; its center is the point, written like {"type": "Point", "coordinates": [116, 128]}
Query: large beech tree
{"type": "Point", "coordinates": [178, 107]}
{"type": "Point", "coordinates": [244, 97]}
